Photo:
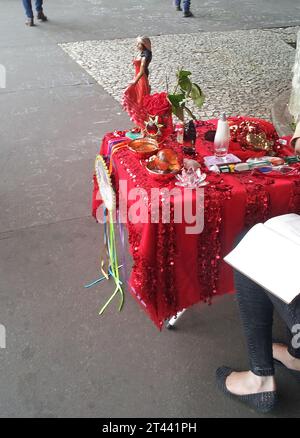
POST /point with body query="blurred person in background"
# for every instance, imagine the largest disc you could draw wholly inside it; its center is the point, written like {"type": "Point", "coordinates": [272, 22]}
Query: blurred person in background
{"type": "Point", "coordinates": [186, 7]}
{"type": "Point", "coordinates": [29, 11]}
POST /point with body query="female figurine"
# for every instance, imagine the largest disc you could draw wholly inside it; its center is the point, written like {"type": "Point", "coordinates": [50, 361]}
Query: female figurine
{"type": "Point", "coordinates": [138, 88]}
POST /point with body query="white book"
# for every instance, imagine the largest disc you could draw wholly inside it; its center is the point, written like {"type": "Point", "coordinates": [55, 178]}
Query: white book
{"type": "Point", "coordinates": [269, 254]}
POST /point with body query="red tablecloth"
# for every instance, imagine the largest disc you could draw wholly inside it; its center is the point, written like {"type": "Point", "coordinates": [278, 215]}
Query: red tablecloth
{"type": "Point", "coordinates": [173, 270]}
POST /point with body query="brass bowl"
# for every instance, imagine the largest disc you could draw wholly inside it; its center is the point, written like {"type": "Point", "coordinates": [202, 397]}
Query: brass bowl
{"type": "Point", "coordinates": [143, 147]}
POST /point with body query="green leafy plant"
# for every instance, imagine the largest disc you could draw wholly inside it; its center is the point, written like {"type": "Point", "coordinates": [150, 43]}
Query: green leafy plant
{"type": "Point", "coordinates": [185, 91]}
{"type": "Point", "coordinates": [293, 125]}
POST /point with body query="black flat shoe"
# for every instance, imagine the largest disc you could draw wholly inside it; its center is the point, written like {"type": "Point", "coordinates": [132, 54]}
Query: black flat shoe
{"type": "Point", "coordinates": [262, 402]}
{"type": "Point", "coordinates": [294, 373]}
{"type": "Point", "coordinates": [178, 8]}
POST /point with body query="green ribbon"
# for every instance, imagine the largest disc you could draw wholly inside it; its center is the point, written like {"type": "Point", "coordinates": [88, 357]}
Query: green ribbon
{"type": "Point", "coordinates": [114, 266]}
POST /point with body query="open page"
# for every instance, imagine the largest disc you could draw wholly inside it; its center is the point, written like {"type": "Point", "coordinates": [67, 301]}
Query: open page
{"type": "Point", "coordinates": [288, 225]}
{"type": "Point", "coordinates": [270, 259]}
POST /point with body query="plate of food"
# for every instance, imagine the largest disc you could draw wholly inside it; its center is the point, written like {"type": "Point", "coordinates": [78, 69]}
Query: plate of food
{"type": "Point", "coordinates": [164, 164]}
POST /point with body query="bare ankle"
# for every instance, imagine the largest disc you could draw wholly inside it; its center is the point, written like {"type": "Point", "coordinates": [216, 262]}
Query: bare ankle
{"type": "Point", "coordinates": [266, 383]}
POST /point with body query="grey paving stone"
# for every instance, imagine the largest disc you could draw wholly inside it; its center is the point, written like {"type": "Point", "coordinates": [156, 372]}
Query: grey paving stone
{"type": "Point", "coordinates": [240, 72]}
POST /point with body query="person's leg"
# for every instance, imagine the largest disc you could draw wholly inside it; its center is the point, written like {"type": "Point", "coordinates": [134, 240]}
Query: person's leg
{"type": "Point", "coordinates": [186, 5]}
{"type": "Point", "coordinates": [186, 8]}
{"type": "Point", "coordinates": [177, 3]}
{"type": "Point", "coordinates": [39, 5]}
{"type": "Point", "coordinates": [255, 387]}
{"type": "Point", "coordinates": [39, 8]}
{"type": "Point", "coordinates": [256, 310]}
{"type": "Point", "coordinates": [28, 8]}
{"type": "Point", "coordinates": [289, 354]}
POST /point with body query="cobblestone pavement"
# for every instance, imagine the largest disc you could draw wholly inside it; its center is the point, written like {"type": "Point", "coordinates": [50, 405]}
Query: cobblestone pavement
{"type": "Point", "coordinates": [240, 72]}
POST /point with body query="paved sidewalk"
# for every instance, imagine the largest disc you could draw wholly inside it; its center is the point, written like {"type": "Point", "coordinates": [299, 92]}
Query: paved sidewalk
{"type": "Point", "coordinates": [240, 72]}
{"type": "Point", "coordinates": [61, 358]}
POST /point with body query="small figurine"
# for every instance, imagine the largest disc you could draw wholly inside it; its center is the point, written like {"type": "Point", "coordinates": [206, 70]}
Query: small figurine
{"type": "Point", "coordinates": [190, 133]}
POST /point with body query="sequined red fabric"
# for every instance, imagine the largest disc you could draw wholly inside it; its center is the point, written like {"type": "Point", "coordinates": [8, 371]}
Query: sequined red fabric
{"type": "Point", "coordinates": [173, 270]}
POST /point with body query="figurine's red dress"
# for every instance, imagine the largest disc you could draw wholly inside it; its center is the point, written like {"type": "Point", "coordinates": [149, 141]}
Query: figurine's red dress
{"type": "Point", "coordinates": [133, 97]}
